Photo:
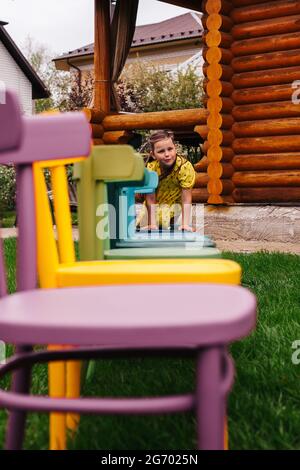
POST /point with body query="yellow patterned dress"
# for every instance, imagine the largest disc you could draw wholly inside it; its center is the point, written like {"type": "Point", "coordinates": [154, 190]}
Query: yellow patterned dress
{"type": "Point", "coordinates": [168, 193]}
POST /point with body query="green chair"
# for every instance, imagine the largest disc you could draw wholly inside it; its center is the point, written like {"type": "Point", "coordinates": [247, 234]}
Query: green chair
{"type": "Point", "coordinates": [98, 227]}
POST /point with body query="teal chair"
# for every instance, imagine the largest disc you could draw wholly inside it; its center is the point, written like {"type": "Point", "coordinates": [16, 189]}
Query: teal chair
{"type": "Point", "coordinates": [99, 180]}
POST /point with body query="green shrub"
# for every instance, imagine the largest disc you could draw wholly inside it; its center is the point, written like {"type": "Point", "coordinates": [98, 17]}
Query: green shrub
{"type": "Point", "coordinates": [7, 188]}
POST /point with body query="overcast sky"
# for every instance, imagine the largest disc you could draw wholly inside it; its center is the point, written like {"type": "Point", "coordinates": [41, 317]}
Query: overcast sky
{"type": "Point", "coordinates": [64, 25]}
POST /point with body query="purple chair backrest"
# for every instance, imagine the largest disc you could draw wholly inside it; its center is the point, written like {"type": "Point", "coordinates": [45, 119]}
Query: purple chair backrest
{"type": "Point", "coordinates": [11, 128]}
{"type": "Point", "coordinates": [11, 132]}
{"type": "Point", "coordinates": [46, 137]}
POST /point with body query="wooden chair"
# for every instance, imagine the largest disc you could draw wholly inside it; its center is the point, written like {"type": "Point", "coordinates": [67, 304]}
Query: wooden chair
{"type": "Point", "coordinates": [107, 316]}
{"type": "Point", "coordinates": [95, 188]}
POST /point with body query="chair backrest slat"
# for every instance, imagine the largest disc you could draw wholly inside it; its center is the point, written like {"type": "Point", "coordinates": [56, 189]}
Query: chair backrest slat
{"type": "Point", "coordinates": [11, 126]}
{"type": "Point", "coordinates": [62, 214]}
{"type": "Point", "coordinates": [47, 254]}
{"type": "Point", "coordinates": [47, 137]}
{"type": "Point", "coordinates": [11, 133]}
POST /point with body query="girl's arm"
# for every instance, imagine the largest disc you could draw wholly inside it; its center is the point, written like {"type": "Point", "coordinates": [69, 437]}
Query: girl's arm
{"type": "Point", "coordinates": [186, 204]}
{"type": "Point", "coordinates": [150, 204]}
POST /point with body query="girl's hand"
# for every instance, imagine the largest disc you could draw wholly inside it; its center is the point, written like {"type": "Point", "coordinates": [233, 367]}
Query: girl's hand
{"type": "Point", "coordinates": [185, 228]}
{"type": "Point", "coordinates": [149, 228]}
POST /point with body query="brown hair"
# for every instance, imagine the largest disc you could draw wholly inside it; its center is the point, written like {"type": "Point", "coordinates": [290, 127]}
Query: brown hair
{"type": "Point", "coordinates": [156, 136]}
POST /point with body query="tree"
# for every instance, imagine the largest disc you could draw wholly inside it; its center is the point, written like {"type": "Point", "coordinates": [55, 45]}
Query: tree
{"type": "Point", "coordinates": [57, 82]}
{"type": "Point", "coordinates": [144, 88]}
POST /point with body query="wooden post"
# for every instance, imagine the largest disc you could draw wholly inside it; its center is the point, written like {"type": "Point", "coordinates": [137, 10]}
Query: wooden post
{"type": "Point", "coordinates": [219, 72]}
{"type": "Point", "coordinates": [102, 56]}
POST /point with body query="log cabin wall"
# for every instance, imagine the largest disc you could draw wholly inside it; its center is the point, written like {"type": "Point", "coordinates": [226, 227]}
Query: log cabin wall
{"type": "Point", "coordinates": [214, 172]}
{"type": "Point", "coordinates": [266, 62]}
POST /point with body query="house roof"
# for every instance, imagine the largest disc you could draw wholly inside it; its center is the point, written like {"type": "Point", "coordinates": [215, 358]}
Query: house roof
{"type": "Point", "coordinates": [179, 27]}
{"type": "Point", "coordinates": [39, 89]}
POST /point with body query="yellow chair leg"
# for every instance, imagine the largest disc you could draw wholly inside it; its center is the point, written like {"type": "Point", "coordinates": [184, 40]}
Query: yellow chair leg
{"type": "Point", "coordinates": [73, 379]}
{"type": "Point", "coordinates": [57, 389]}
{"type": "Point", "coordinates": [226, 437]}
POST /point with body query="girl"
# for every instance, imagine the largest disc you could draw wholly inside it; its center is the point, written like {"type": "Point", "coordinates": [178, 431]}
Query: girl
{"type": "Point", "coordinates": [173, 196]}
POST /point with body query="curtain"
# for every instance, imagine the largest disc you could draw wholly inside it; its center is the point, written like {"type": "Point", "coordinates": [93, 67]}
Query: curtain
{"type": "Point", "coordinates": [122, 32]}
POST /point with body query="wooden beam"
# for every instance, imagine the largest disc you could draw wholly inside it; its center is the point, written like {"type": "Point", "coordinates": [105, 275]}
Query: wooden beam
{"type": "Point", "coordinates": [155, 120]}
{"type": "Point", "coordinates": [102, 56]}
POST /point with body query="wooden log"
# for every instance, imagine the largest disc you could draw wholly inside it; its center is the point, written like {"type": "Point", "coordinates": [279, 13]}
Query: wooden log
{"type": "Point", "coordinates": [277, 42]}
{"type": "Point", "coordinates": [220, 121]}
{"type": "Point", "coordinates": [220, 137]}
{"type": "Point", "coordinates": [94, 115]}
{"type": "Point", "coordinates": [267, 161]}
{"type": "Point", "coordinates": [263, 94]}
{"type": "Point", "coordinates": [261, 179]}
{"type": "Point", "coordinates": [201, 180]}
{"type": "Point", "coordinates": [222, 104]}
{"type": "Point", "coordinates": [220, 186]}
{"type": "Point", "coordinates": [227, 168]}
{"type": "Point", "coordinates": [102, 56]}
{"type": "Point", "coordinates": [200, 195]}
{"type": "Point", "coordinates": [220, 170]}
{"type": "Point", "coordinates": [215, 21]}
{"type": "Point", "coordinates": [217, 38]}
{"type": "Point", "coordinates": [215, 199]}
{"type": "Point", "coordinates": [255, 29]}
{"type": "Point", "coordinates": [218, 71]}
{"type": "Point", "coordinates": [218, 153]}
{"type": "Point", "coordinates": [273, 9]}
{"type": "Point", "coordinates": [201, 166]}
{"type": "Point", "coordinates": [98, 141]}
{"type": "Point", "coordinates": [266, 77]}
{"type": "Point", "coordinates": [216, 6]}
{"type": "Point", "coordinates": [215, 136]}
{"type": "Point", "coordinates": [97, 131]}
{"type": "Point", "coordinates": [156, 120]}
{"type": "Point", "coordinates": [270, 60]}
{"type": "Point", "coordinates": [287, 126]}
{"type": "Point", "coordinates": [271, 194]}
{"type": "Point", "coordinates": [115, 137]}
{"type": "Point", "coordinates": [276, 110]}
{"type": "Point", "coordinates": [220, 88]}
{"type": "Point", "coordinates": [217, 54]}
{"type": "Point", "coordinates": [276, 144]}
{"type": "Point", "coordinates": [241, 3]}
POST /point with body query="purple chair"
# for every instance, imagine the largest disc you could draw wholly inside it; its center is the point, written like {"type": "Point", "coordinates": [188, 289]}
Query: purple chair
{"type": "Point", "coordinates": [181, 325]}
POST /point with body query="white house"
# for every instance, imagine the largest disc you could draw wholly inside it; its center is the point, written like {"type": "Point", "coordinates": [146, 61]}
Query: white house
{"type": "Point", "coordinates": [17, 74]}
{"type": "Point", "coordinates": [171, 44]}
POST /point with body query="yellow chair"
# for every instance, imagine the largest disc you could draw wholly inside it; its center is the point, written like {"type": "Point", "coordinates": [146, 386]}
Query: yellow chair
{"type": "Point", "coordinates": [57, 267]}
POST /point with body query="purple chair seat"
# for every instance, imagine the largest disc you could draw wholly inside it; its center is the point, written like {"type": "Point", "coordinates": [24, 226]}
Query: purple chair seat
{"type": "Point", "coordinates": [125, 315]}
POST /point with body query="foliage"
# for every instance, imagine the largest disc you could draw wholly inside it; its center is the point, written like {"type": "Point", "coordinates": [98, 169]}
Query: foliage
{"type": "Point", "coordinates": [7, 188]}
{"type": "Point", "coordinates": [145, 88]}
{"type": "Point", "coordinates": [81, 92]}
{"type": "Point", "coordinates": [57, 82]}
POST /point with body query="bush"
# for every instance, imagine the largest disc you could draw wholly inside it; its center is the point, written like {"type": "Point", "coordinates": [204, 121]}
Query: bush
{"type": "Point", "coordinates": [7, 188]}
{"type": "Point", "coordinates": [145, 88]}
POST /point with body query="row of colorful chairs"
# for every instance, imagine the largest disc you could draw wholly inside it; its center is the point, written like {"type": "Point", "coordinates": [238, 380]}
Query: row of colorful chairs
{"type": "Point", "coordinates": [104, 306]}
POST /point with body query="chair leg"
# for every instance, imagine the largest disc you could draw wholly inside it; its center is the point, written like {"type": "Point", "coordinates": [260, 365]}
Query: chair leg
{"type": "Point", "coordinates": [73, 382]}
{"type": "Point", "coordinates": [210, 401]}
{"type": "Point", "coordinates": [57, 389]}
{"type": "Point", "coordinates": [17, 419]}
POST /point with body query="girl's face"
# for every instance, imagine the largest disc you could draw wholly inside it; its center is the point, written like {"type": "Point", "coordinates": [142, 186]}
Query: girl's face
{"type": "Point", "coordinates": [165, 152]}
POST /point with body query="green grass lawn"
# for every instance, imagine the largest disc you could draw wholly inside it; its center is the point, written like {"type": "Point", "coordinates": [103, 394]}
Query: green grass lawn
{"type": "Point", "coordinates": [264, 406]}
